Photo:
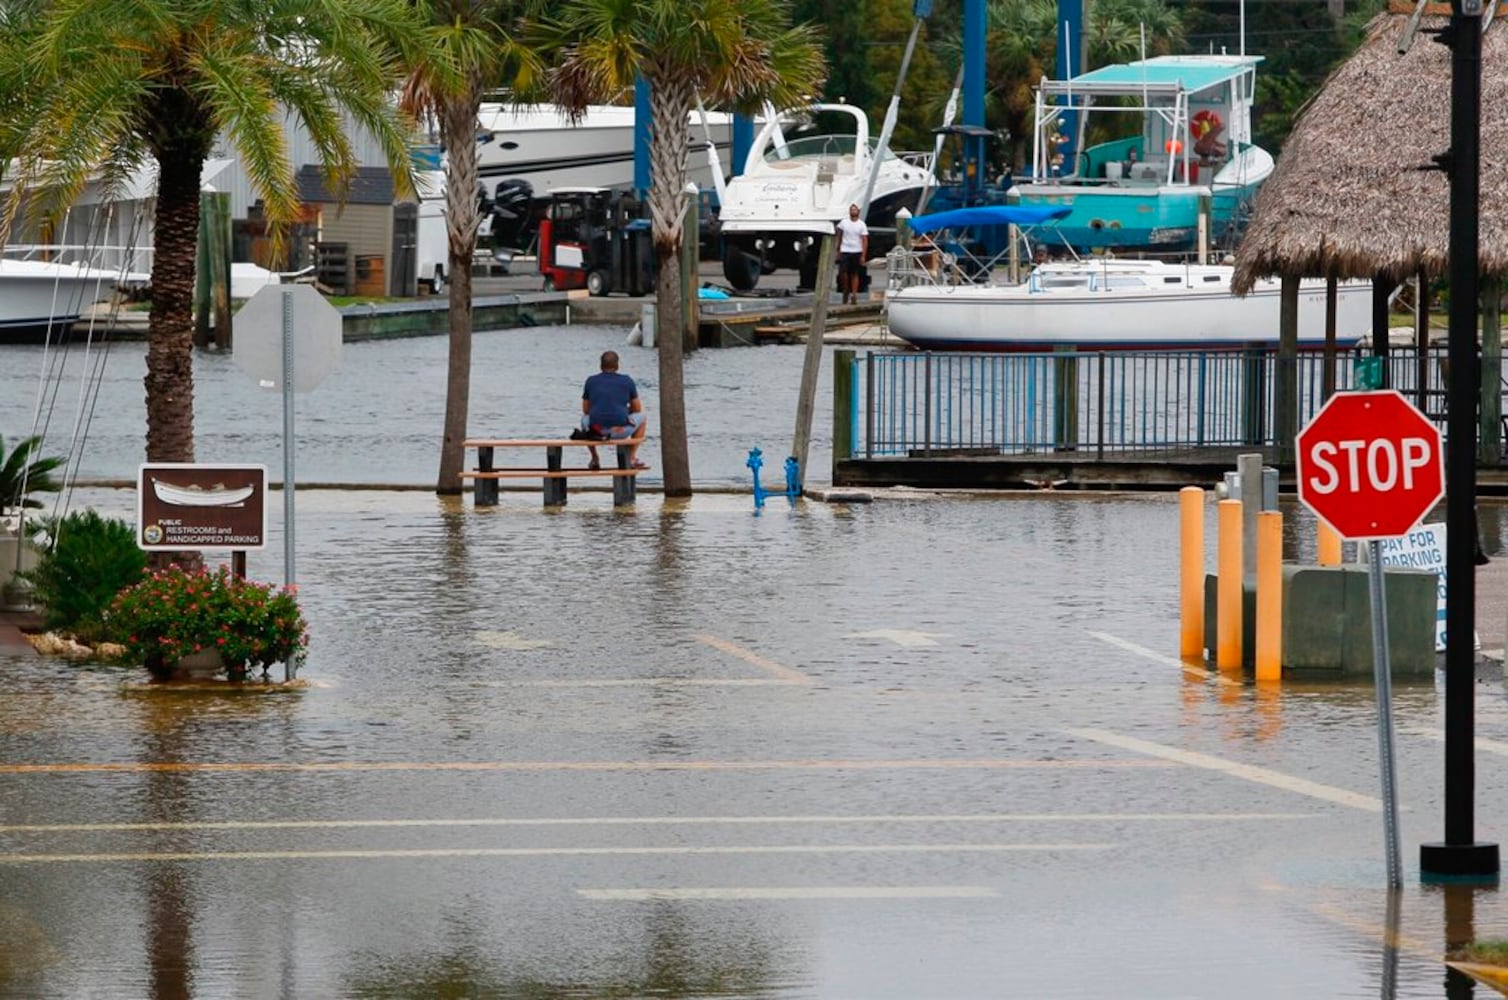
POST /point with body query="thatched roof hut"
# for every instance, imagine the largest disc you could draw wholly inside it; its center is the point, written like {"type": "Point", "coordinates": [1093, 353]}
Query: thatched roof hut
{"type": "Point", "coordinates": [1348, 198]}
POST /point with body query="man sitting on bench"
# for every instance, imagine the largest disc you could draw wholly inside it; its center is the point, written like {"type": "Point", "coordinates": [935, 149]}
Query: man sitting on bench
{"type": "Point", "coordinates": [611, 409]}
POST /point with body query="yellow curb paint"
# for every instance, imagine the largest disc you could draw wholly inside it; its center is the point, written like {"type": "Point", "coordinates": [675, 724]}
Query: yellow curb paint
{"type": "Point", "coordinates": [779, 670]}
{"type": "Point", "coordinates": [1247, 772]}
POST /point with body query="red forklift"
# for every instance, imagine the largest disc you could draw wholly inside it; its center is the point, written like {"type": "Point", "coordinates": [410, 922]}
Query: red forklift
{"type": "Point", "coordinates": [597, 239]}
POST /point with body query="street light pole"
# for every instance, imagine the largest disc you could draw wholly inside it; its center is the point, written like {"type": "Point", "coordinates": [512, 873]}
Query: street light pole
{"type": "Point", "coordinates": [1461, 855]}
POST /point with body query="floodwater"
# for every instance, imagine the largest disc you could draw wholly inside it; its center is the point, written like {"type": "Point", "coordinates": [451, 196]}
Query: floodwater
{"type": "Point", "coordinates": [378, 418]}
{"type": "Point", "coordinates": [929, 747]}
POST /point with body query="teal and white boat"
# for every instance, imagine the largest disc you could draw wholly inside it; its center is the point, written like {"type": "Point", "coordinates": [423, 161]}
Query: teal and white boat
{"type": "Point", "coordinates": [1162, 150]}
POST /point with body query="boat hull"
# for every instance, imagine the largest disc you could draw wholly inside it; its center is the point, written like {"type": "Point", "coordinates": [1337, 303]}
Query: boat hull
{"type": "Point", "coordinates": [40, 300]}
{"type": "Point", "coordinates": [539, 144]}
{"type": "Point", "coordinates": [992, 318]}
{"type": "Point", "coordinates": [1157, 219]}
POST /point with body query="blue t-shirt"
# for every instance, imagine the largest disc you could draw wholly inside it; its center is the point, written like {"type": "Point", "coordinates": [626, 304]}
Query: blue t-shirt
{"type": "Point", "coordinates": [609, 395]}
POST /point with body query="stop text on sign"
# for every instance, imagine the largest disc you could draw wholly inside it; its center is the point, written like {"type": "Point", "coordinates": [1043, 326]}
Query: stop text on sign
{"type": "Point", "coordinates": [1340, 465]}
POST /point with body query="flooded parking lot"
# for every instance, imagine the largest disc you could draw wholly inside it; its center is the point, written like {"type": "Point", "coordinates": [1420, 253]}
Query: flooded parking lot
{"type": "Point", "coordinates": [918, 748]}
{"type": "Point", "coordinates": [933, 746]}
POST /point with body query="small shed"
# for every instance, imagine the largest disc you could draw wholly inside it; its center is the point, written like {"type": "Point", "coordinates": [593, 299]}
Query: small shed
{"type": "Point", "coordinates": [365, 244]}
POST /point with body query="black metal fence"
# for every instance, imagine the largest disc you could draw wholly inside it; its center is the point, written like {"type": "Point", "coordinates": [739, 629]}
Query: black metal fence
{"type": "Point", "coordinates": [1118, 401]}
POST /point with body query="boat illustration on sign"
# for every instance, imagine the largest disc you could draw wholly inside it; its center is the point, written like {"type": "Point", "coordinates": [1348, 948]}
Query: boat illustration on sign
{"type": "Point", "coordinates": [202, 496]}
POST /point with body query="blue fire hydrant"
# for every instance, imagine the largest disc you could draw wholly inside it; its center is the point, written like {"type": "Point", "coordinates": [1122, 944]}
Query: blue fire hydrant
{"type": "Point", "coordinates": [756, 462]}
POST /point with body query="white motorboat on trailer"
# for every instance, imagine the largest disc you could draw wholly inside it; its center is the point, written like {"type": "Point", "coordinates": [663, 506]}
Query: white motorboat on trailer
{"type": "Point", "coordinates": [794, 189]}
{"type": "Point", "coordinates": [1101, 304]}
{"type": "Point", "coordinates": [539, 144]}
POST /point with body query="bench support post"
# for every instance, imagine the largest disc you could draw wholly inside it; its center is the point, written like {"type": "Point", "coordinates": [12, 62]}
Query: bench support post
{"type": "Point", "coordinates": [485, 490]}
{"type": "Point", "coordinates": [555, 489]}
{"type": "Point", "coordinates": [624, 489]}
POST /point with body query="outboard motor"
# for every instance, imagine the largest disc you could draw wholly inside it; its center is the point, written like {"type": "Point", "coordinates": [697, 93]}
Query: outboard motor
{"type": "Point", "coordinates": [513, 218]}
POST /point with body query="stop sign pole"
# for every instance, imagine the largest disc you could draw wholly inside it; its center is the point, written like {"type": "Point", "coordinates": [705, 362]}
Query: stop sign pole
{"type": "Point", "coordinates": [1370, 466]}
{"type": "Point", "coordinates": [270, 353]}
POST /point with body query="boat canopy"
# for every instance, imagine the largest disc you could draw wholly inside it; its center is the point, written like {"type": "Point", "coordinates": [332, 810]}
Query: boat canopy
{"type": "Point", "coordinates": [989, 215]}
{"type": "Point", "coordinates": [1160, 75]}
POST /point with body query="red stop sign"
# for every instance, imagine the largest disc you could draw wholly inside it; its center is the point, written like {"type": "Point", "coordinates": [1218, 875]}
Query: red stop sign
{"type": "Point", "coordinates": [1370, 464]}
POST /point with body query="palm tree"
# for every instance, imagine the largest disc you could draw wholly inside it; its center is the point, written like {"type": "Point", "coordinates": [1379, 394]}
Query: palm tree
{"type": "Point", "coordinates": [100, 87]}
{"type": "Point", "coordinates": [468, 48]}
{"type": "Point", "coordinates": [727, 52]}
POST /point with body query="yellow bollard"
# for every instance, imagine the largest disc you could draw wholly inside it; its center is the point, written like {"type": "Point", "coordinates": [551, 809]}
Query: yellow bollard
{"type": "Point", "coordinates": [1191, 576]}
{"type": "Point", "coordinates": [1329, 545]}
{"type": "Point", "coordinates": [1269, 651]}
{"type": "Point", "coordinates": [1228, 588]}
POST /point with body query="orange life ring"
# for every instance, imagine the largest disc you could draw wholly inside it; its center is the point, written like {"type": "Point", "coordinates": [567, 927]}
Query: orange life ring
{"type": "Point", "coordinates": [1205, 123]}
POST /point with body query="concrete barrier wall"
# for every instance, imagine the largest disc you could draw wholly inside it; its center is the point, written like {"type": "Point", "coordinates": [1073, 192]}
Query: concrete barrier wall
{"type": "Point", "coordinates": [1327, 621]}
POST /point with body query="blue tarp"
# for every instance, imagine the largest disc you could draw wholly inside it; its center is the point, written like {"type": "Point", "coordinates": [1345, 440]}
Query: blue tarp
{"type": "Point", "coordinates": [988, 215]}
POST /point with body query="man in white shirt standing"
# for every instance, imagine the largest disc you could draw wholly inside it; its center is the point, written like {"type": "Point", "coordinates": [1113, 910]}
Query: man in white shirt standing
{"type": "Point", "coordinates": [853, 250]}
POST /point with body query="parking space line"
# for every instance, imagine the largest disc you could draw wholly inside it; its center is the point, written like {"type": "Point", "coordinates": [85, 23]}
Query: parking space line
{"type": "Point", "coordinates": [531, 821]}
{"type": "Point", "coordinates": [791, 893]}
{"type": "Point", "coordinates": [568, 766]}
{"type": "Point", "coordinates": [1247, 772]}
{"type": "Point", "coordinates": [779, 670]}
{"type": "Point", "coordinates": [1151, 654]}
{"type": "Point", "coordinates": [541, 852]}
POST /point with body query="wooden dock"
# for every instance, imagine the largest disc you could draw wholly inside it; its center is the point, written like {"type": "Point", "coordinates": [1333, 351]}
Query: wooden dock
{"type": "Point", "coordinates": [785, 323]}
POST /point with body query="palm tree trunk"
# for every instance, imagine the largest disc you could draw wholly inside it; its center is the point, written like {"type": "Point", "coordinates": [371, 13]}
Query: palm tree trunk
{"type": "Point", "coordinates": [458, 131]}
{"type": "Point", "coordinates": [670, 102]}
{"type": "Point", "coordinates": [170, 326]}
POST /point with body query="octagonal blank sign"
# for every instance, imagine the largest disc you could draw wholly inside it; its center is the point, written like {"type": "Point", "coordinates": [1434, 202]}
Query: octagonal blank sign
{"type": "Point", "coordinates": [316, 336]}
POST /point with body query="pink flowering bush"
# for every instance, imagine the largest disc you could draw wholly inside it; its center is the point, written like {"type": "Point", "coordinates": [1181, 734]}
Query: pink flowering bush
{"type": "Point", "coordinates": [172, 613]}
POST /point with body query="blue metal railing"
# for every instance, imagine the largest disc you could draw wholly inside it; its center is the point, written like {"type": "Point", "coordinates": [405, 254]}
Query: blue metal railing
{"type": "Point", "coordinates": [1118, 401]}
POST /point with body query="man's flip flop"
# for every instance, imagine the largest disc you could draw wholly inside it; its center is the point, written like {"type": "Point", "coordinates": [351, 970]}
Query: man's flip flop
{"type": "Point", "coordinates": [594, 464]}
{"type": "Point", "coordinates": [639, 465]}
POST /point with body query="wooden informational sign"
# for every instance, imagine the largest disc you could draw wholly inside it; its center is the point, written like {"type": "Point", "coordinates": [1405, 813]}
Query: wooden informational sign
{"type": "Point", "coordinates": [201, 506]}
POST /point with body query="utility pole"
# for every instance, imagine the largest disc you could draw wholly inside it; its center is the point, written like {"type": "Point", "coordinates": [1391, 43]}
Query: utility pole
{"type": "Point", "coordinates": [1461, 855]}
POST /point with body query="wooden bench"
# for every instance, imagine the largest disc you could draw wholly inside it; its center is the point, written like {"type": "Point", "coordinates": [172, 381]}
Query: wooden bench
{"type": "Point", "coordinates": [553, 472]}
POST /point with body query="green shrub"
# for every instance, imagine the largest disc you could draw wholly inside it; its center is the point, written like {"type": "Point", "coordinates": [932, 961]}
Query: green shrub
{"type": "Point", "coordinates": [172, 613]}
{"type": "Point", "coordinates": [24, 472]}
{"type": "Point", "coordinates": [90, 560]}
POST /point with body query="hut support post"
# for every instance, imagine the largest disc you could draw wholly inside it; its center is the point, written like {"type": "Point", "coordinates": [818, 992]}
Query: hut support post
{"type": "Point", "coordinates": [1328, 365]}
{"type": "Point", "coordinates": [1286, 394]}
{"type": "Point", "coordinates": [1382, 287]}
{"type": "Point", "coordinates": [1421, 345]}
{"type": "Point", "coordinates": [1490, 440]}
